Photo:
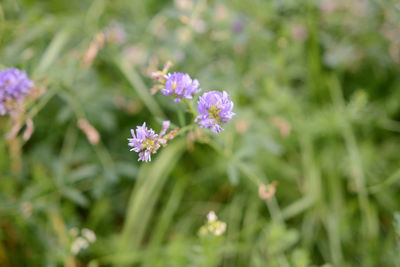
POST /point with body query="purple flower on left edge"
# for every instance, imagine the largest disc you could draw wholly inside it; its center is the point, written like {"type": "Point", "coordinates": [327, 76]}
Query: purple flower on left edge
{"type": "Point", "coordinates": [146, 142]}
{"type": "Point", "coordinates": [180, 85]}
{"type": "Point", "coordinates": [14, 86]}
{"type": "Point", "coordinates": [215, 108]}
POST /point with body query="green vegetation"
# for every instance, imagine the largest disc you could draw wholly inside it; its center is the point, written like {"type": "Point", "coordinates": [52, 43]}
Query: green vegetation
{"type": "Point", "coordinates": [316, 88]}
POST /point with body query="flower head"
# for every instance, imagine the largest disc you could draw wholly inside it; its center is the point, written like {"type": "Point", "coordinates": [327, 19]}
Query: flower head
{"type": "Point", "coordinates": [81, 241]}
{"type": "Point", "coordinates": [89, 235]}
{"type": "Point", "coordinates": [266, 192]}
{"type": "Point", "coordinates": [237, 26]}
{"type": "Point", "coordinates": [213, 227]}
{"type": "Point", "coordinates": [214, 108]}
{"type": "Point", "coordinates": [180, 85]}
{"type": "Point", "coordinates": [147, 142]}
{"type": "Point", "coordinates": [14, 86]}
{"type": "Point", "coordinates": [79, 244]}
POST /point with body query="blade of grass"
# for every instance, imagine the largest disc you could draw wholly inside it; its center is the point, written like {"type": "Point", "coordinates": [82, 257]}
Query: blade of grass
{"type": "Point", "coordinates": [165, 220]}
{"type": "Point", "coordinates": [151, 180]}
{"type": "Point", "coordinates": [389, 181]}
{"type": "Point", "coordinates": [370, 225]}
{"type": "Point", "coordinates": [35, 32]}
{"type": "Point", "coordinates": [137, 83]}
{"type": "Point", "coordinates": [298, 207]}
{"type": "Point", "coordinates": [235, 213]}
{"type": "Point", "coordinates": [52, 52]}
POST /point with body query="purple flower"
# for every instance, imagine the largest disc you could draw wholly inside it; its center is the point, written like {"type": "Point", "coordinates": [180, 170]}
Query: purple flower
{"type": "Point", "coordinates": [14, 86]}
{"type": "Point", "coordinates": [180, 85]}
{"type": "Point", "coordinates": [146, 141]}
{"type": "Point", "coordinates": [237, 26]}
{"type": "Point", "coordinates": [214, 108]}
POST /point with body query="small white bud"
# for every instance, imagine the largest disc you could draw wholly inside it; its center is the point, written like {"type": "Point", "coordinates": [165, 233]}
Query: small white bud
{"type": "Point", "coordinates": [211, 217]}
{"type": "Point", "coordinates": [89, 235]}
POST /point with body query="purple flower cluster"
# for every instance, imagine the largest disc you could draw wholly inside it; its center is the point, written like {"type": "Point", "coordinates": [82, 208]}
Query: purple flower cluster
{"type": "Point", "coordinates": [146, 141]}
{"type": "Point", "coordinates": [14, 86]}
{"type": "Point", "coordinates": [214, 108]}
{"type": "Point", "coordinates": [180, 85]}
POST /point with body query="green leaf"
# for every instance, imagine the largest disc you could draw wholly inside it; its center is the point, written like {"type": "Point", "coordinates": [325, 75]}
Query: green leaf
{"type": "Point", "coordinates": [75, 196]}
{"type": "Point", "coordinates": [233, 174]}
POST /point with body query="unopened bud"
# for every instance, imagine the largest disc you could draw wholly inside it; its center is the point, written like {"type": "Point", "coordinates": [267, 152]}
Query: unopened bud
{"type": "Point", "coordinates": [91, 133]}
{"type": "Point", "coordinates": [266, 192]}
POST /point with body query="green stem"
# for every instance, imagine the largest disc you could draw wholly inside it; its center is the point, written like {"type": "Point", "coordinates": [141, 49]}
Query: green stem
{"type": "Point", "coordinates": [389, 181]}
{"type": "Point", "coordinates": [185, 129]}
{"type": "Point", "coordinates": [101, 151]}
{"type": "Point", "coordinates": [189, 105]}
{"type": "Point", "coordinates": [272, 204]}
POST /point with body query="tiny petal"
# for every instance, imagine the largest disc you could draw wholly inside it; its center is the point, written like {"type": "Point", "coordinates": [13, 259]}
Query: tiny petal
{"type": "Point", "coordinates": [211, 216]}
{"type": "Point", "coordinates": [79, 244]}
{"type": "Point", "coordinates": [89, 235]}
{"type": "Point", "coordinates": [213, 227]}
{"type": "Point", "coordinates": [145, 156]}
{"type": "Point", "coordinates": [133, 133]}
{"type": "Point", "coordinates": [165, 126]}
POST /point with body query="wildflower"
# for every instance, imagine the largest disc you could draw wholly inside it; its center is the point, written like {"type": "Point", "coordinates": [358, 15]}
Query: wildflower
{"type": "Point", "coordinates": [213, 226]}
{"type": "Point", "coordinates": [266, 192]}
{"type": "Point", "coordinates": [89, 235]}
{"type": "Point", "coordinates": [211, 216]}
{"type": "Point", "coordinates": [147, 142]}
{"type": "Point", "coordinates": [14, 86]}
{"type": "Point", "coordinates": [214, 108]}
{"type": "Point", "coordinates": [180, 85]}
{"type": "Point", "coordinates": [237, 26]}
{"type": "Point", "coordinates": [79, 244]}
{"type": "Point", "coordinates": [81, 241]}
{"type": "Point", "coordinates": [219, 228]}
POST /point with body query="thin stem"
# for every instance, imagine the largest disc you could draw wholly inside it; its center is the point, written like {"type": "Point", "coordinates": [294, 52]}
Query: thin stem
{"type": "Point", "coordinates": [185, 129]}
{"type": "Point", "coordinates": [189, 105]}
{"type": "Point", "coordinates": [389, 181]}
{"type": "Point", "coordinates": [102, 153]}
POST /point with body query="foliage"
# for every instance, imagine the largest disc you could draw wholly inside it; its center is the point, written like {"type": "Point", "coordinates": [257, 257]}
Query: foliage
{"type": "Point", "coordinates": [315, 87]}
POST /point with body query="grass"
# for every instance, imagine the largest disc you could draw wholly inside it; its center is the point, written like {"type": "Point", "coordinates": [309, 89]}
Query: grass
{"type": "Point", "coordinates": [315, 87]}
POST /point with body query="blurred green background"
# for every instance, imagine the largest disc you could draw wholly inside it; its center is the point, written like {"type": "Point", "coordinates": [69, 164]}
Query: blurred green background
{"type": "Point", "coordinates": [317, 97]}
